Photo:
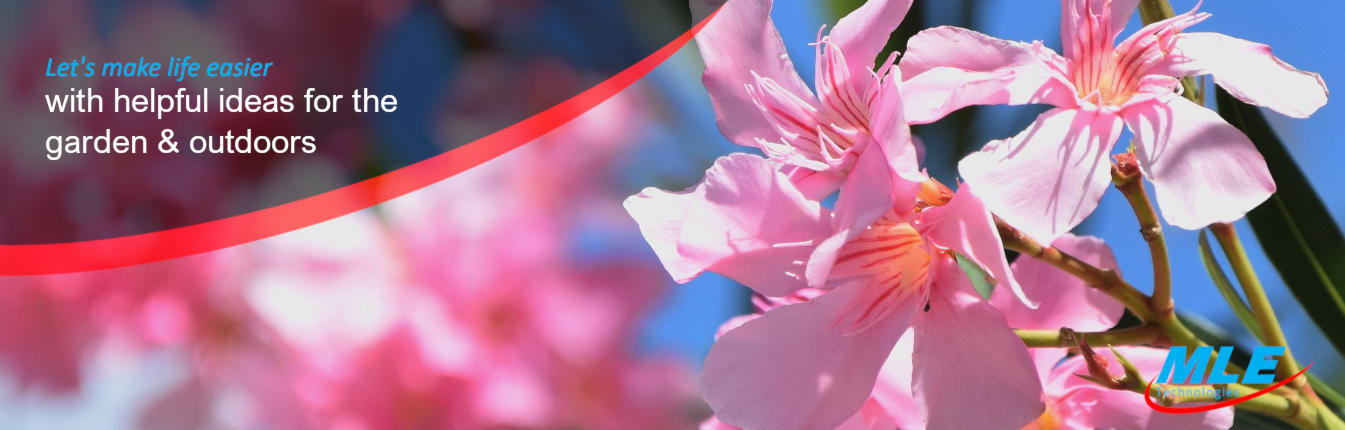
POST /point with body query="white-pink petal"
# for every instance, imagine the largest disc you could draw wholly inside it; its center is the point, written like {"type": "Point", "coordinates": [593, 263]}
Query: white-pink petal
{"type": "Point", "coordinates": [1250, 72]}
{"type": "Point", "coordinates": [863, 33]}
{"type": "Point", "coordinates": [745, 220]}
{"type": "Point", "coordinates": [957, 47]}
{"type": "Point", "coordinates": [970, 370]}
{"type": "Point", "coordinates": [948, 68]}
{"type": "Point", "coordinates": [798, 366]}
{"type": "Point", "coordinates": [1203, 169]}
{"type": "Point", "coordinates": [659, 214]}
{"type": "Point", "coordinates": [739, 41]}
{"type": "Point", "coordinates": [893, 391]}
{"type": "Point", "coordinates": [1075, 16]}
{"type": "Point", "coordinates": [1049, 177]}
{"type": "Point", "coordinates": [888, 125]}
{"type": "Point", "coordinates": [1065, 300]}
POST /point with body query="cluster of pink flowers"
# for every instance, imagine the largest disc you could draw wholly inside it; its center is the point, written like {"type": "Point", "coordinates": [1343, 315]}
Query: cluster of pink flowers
{"type": "Point", "coordinates": [866, 319]}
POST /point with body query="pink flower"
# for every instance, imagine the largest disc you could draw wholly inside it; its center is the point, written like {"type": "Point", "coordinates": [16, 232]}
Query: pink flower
{"type": "Point", "coordinates": [1073, 402]}
{"type": "Point", "coordinates": [820, 143]}
{"type": "Point", "coordinates": [1048, 178]}
{"type": "Point", "coordinates": [760, 101]}
{"type": "Point", "coordinates": [813, 364]}
{"type": "Point", "coordinates": [1068, 401]}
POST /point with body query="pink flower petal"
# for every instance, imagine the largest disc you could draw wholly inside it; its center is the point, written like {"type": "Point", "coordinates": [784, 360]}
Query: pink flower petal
{"type": "Point", "coordinates": [813, 184]}
{"type": "Point", "coordinates": [960, 48]}
{"type": "Point", "coordinates": [964, 225]}
{"type": "Point", "coordinates": [890, 130]}
{"type": "Point", "coordinates": [715, 424]}
{"type": "Point", "coordinates": [949, 68]}
{"type": "Point", "coordinates": [1203, 169]}
{"type": "Point", "coordinates": [1250, 72]}
{"type": "Point", "coordinates": [1075, 15]}
{"type": "Point", "coordinates": [797, 366]}
{"type": "Point", "coordinates": [893, 391]}
{"type": "Point", "coordinates": [1066, 301]}
{"type": "Point", "coordinates": [871, 416]}
{"type": "Point", "coordinates": [660, 214]}
{"type": "Point", "coordinates": [1048, 178]}
{"type": "Point", "coordinates": [745, 221]}
{"type": "Point", "coordinates": [739, 41]}
{"type": "Point", "coordinates": [891, 405]}
{"type": "Point", "coordinates": [971, 371]}
{"type": "Point", "coordinates": [1081, 403]}
{"type": "Point", "coordinates": [863, 33]}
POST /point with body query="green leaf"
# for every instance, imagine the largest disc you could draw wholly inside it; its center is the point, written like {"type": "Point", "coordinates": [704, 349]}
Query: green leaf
{"type": "Point", "coordinates": [979, 279]}
{"type": "Point", "coordinates": [1294, 227]}
{"type": "Point", "coordinates": [1226, 289]}
{"type": "Point", "coordinates": [1328, 393]}
{"type": "Point", "coordinates": [1247, 420]}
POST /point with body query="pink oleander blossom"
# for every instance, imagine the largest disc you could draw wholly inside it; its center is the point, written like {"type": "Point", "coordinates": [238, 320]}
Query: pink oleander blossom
{"type": "Point", "coordinates": [1072, 402]}
{"type": "Point", "coordinates": [1075, 403]}
{"type": "Point", "coordinates": [760, 101]}
{"type": "Point", "coordinates": [1068, 402]}
{"type": "Point", "coordinates": [814, 364]}
{"type": "Point", "coordinates": [821, 143]}
{"type": "Point", "coordinates": [1049, 177]}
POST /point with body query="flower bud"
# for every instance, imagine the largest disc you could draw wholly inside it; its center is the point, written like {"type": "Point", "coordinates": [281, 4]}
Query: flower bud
{"type": "Point", "coordinates": [933, 193]}
{"type": "Point", "coordinates": [1126, 168]}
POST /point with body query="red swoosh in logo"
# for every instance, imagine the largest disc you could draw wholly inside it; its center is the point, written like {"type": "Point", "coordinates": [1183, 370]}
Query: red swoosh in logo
{"type": "Point", "coordinates": [1230, 402]}
{"type": "Point", "coordinates": [40, 259]}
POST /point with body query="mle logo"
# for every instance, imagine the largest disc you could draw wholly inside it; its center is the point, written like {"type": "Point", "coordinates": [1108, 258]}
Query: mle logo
{"type": "Point", "coordinates": [1190, 378]}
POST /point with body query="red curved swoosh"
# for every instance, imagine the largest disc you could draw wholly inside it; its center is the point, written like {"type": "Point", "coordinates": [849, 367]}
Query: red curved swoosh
{"type": "Point", "coordinates": [1211, 406]}
{"type": "Point", "coordinates": [123, 251]}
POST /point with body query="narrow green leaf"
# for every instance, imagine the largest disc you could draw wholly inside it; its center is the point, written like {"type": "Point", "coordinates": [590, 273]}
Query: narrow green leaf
{"type": "Point", "coordinates": [1226, 289]}
{"type": "Point", "coordinates": [1247, 420]}
{"type": "Point", "coordinates": [1294, 228]}
{"type": "Point", "coordinates": [1327, 393]}
{"type": "Point", "coordinates": [979, 279]}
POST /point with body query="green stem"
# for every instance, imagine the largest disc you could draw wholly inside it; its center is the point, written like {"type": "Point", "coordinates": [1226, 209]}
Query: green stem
{"type": "Point", "coordinates": [1327, 418]}
{"type": "Point", "coordinates": [1147, 334]}
{"type": "Point", "coordinates": [1105, 280]}
{"type": "Point", "coordinates": [1129, 182]}
{"type": "Point", "coordinates": [1152, 11]}
{"type": "Point", "coordinates": [1315, 413]}
{"type": "Point", "coordinates": [1257, 299]}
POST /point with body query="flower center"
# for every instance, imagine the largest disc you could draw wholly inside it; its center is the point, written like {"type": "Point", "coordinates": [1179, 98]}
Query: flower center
{"type": "Point", "coordinates": [1111, 88]}
{"type": "Point", "coordinates": [1110, 76]}
{"type": "Point", "coordinates": [893, 253]}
